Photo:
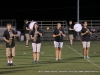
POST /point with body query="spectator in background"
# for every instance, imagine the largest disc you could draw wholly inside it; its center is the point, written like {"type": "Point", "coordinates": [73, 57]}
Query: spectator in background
{"type": "Point", "coordinates": [26, 30]}
{"type": "Point", "coordinates": [70, 32]}
{"type": "Point", "coordinates": [19, 34]}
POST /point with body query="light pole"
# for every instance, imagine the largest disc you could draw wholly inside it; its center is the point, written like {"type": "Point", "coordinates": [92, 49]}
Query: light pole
{"type": "Point", "coordinates": [78, 11]}
{"type": "Point", "coordinates": [78, 36]}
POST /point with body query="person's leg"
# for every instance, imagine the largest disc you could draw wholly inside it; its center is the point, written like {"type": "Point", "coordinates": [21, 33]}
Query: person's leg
{"type": "Point", "coordinates": [11, 61]}
{"type": "Point", "coordinates": [8, 60]}
{"type": "Point", "coordinates": [38, 51]}
{"type": "Point", "coordinates": [12, 55]}
{"type": "Point", "coordinates": [27, 39]}
{"type": "Point", "coordinates": [26, 42]}
{"type": "Point", "coordinates": [57, 53]}
{"type": "Point", "coordinates": [87, 50]}
{"type": "Point", "coordinates": [34, 52]}
{"type": "Point", "coordinates": [84, 49]}
{"type": "Point", "coordinates": [35, 56]}
{"type": "Point", "coordinates": [71, 39]}
{"type": "Point", "coordinates": [8, 56]}
{"type": "Point", "coordinates": [60, 50]}
{"type": "Point", "coordinates": [56, 50]}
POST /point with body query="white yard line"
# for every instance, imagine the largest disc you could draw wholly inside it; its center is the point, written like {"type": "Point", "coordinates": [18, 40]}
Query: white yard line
{"type": "Point", "coordinates": [82, 55]}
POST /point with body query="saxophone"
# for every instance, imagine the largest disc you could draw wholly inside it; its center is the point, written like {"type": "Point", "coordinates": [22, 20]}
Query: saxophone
{"type": "Point", "coordinates": [35, 36]}
{"type": "Point", "coordinates": [10, 39]}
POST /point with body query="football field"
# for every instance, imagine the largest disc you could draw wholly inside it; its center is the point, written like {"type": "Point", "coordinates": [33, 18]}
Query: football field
{"type": "Point", "coordinates": [72, 62]}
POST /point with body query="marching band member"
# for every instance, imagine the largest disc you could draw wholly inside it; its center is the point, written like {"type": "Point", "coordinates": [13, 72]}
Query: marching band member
{"type": "Point", "coordinates": [58, 35]}
{"type": "Point", "coordinates": [71, 32]}
{"type": "Point", "coordinates": [26, 31]}
{"type": "Point", "coordinates": [85, 33]}
{"type": "Point", "coordinates": [10, 44]}
{"type": "Point", "coordinates": [36, 35]}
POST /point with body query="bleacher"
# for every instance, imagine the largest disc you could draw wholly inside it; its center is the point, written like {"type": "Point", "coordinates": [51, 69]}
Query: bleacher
{"type": "Point", "coordinates": [48, 26]}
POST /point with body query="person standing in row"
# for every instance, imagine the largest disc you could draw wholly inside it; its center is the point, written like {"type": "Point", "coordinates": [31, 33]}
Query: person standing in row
{"type": "Point", "coordinates": [85, 33]}
{"type": "Point", "coordinates": [70, 32]}
{"type": "Point", "coordinates": [26, 31]}
{"type": "Point", "coordinates": [10, 44]}
{"type": "Point", "coordinates": [58, 35]}
{"type": "Point", "coordinates": [36, 35]}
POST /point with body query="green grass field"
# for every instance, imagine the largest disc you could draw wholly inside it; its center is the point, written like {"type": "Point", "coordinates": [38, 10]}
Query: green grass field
{"type": "Point", "coordinates": [72, 61]}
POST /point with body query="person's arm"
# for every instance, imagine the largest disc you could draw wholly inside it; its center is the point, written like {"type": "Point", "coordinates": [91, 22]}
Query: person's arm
{"type": "Point", "coordinates": [28, 28]}
{"type": "Point", "coordinates": [54, 34]}
{"type": "Point", "coordinates": [71, 29]}
{"type": "Point", "coordinates": [14, 33]}
{"type": "Point", "coordinates": [90, 32]}
{"type": "Point", "coordinates": [39, 33]}
{"type": "Point", "coordinates": [63, 33]}
{"type": "Point", "coordinates": [5, 39]}
{"type": "Point", "coordinates": [83, 33]}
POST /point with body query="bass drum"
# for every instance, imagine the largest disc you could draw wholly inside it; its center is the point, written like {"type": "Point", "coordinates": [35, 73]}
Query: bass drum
{"type": "Point", "coordinates": [32, 24]}
{"type": "Point", "coordinates": [77, 27]}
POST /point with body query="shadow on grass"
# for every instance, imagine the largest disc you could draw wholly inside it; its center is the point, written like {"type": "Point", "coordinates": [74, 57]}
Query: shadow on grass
{"type": "Point", "coordinates": [67, 60]}
{"type": "Point", "coordinates": [14, 69]}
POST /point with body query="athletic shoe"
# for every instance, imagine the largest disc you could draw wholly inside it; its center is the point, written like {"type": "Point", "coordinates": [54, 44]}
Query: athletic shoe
{"type": "Point", "coordinates": [8, 64]}
{"type": "Point", "coordinates": [84, 57]}
{"type": "Point", "coordinates": [60, 59]}
{"type": "Point", "coordinates": [34, 61]}
{"type": "Point", "coordinates": [87, 57]}
{"type": "Point", "coordinates": [38, 61]}
{"type": "Point", "coordinates": [11, 64]}
{"type": "Point", "coordinates": [56, 59]}
{"type": "Point", "coordinates": [26, 45]}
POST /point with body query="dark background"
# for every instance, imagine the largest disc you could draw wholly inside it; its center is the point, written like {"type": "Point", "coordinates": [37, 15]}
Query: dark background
{"type": "Point", "coordinates": [48, 10]}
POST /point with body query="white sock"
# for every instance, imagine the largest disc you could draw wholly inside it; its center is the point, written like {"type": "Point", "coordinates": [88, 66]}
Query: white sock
{"type": "Point", "coordinates": [11, 61]}
{"type": "Point", "coordinates": [8, 61]}
{"type": "Point", "coordinates": [56, 58]}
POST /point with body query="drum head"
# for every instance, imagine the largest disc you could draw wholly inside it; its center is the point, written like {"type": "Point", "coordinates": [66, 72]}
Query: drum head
{"type": "Point", "coordinates": [31, 25]}
{"type": "Point", "coordinates": [77, 27]}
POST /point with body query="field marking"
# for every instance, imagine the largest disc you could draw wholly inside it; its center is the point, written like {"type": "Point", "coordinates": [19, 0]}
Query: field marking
{"type": "Point", "coordinates": [82, 55]}
{"type": "Point", "coordinates": [55, 71]}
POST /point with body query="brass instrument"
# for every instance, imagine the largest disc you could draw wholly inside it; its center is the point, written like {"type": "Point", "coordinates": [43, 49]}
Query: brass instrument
{"type": "Point", "coordinates": [35, 36]}
{"type": "Point", "coordinates": [10, 39]}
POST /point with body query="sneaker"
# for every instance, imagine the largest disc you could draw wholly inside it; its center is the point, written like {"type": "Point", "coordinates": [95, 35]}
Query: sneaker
{"type": "Point", "coordinates": [11, 64]}
{"type": "Point", "coordinates": [84, 57]}
{"type": "Point", "coordinates": [38, 61]}
{"type": "Point", "coordinates": [60, 59]}
{"type": "Point", "coordinates": [34, 61]}
{"type": "Point", "coordinates": [87, 57]}
{"type": "Point", "coordinates": [56, 59]}
{"type": "Point", "coordinates": [8, 64]}
{"type": "Point", "coordinates": [26, 45]}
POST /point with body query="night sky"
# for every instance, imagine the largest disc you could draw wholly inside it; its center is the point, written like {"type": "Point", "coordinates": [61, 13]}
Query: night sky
{"type": "Point", "coordinates": [49, 10]}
